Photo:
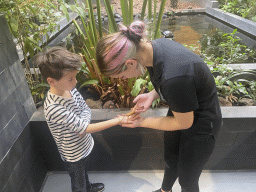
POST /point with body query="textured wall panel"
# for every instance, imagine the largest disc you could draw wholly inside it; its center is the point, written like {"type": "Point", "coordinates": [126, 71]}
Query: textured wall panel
{"type": "Point", "coordinates": [17, 153]}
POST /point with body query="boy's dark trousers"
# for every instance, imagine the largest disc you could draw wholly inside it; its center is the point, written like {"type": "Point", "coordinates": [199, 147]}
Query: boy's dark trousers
{"type": "Point", "coordinates": [78, 173]}
{"type": "Point", "coordinates": [185, 155]}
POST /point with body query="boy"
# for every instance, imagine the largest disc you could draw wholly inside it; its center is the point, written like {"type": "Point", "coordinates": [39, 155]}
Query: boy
{"type": "Point", "coordinates": [68, 116]}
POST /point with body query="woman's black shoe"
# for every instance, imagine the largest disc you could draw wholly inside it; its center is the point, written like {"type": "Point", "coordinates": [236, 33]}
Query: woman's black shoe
{"type": "Point", "coordinates": [96, 187]}
{"type": "Point", "coordinates": [159, 190]}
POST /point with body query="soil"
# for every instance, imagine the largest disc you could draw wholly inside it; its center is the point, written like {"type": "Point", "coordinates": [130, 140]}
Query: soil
{"type": "Point", "coordinates": [137, 6]}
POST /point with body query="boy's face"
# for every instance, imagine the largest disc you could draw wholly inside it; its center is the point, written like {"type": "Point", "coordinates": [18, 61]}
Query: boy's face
{"type": "Point", "coordinates": [66, 83]}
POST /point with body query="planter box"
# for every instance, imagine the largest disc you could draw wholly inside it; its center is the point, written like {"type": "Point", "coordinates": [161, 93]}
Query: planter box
{"type": "Point", "coordinates": [142, 149]}
{"type": "Point", "coordinates": [241, 23]}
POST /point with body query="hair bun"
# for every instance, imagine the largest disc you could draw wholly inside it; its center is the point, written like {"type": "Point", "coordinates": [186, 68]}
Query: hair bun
{"type": "Point", "coordinates": [137, 27]}
{"type": "Point", "coordinates": [134, 32]}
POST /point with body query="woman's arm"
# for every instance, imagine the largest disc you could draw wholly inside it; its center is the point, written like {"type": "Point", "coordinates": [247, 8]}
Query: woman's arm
{"type": "Point", "coordinates": [154, 94]}
{"type": "Point", "coordinates": [171, 123]}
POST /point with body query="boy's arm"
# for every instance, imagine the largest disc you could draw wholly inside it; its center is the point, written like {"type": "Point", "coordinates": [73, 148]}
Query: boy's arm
{"type": "Point", "coordinates": [96, 127]}
{"type": "Point", "coordinates": [60, 115]}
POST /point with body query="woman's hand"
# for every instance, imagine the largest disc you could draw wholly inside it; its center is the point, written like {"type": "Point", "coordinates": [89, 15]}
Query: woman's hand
{"type": "Point", "coordinates": [144, 101]}
{"type": "Point", "coordinates": [133, 121]}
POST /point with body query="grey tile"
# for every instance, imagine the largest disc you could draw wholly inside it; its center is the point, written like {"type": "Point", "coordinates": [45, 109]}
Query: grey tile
{"type": "Point", "coordinates": [22, 93]}
{"type": "Point", "coordinates": [19, 172]}
{"type": "Point", "coordinates": [17, 73]}
{"type": "Point", "coordinates": [14, 104]}
{"type": "Point", "coordinates": [22, 116]}
{"type": "Point", "coordinates": [7, 84]}
{"type": "Point", "coordinates": [15, 153]}
{"type": "Point", "coordinates": [4, 30]}
{"type": "Point", "coordinates": [10, 108]}
{"type": "Point", "coordinates": [35, 176]}
{"type": "Point", "coordinates": [142, 181]}
{"type": "Point", "coordinates": [9, 135]}
{"type": "Point", "coordinates": [134, 164]}
{"type": "Point", "coordinates": [29, 107]}
{"type": "Point", "coordinates": [8, 54]}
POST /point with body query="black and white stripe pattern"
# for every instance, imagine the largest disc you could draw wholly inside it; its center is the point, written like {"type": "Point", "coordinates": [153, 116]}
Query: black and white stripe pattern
{"type": "Point", "coordinates": [66, 117]}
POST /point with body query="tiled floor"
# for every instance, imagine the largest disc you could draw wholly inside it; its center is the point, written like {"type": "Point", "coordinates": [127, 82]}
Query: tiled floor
{"type": "Point", "coordinates": [147, 181]}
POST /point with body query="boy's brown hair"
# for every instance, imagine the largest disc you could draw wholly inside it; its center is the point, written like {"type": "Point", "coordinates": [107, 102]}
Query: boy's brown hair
{"type": "Point", "coordinates": [53, 61]}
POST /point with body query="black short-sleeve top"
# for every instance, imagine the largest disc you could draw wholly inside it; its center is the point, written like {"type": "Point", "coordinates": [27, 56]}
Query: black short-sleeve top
{"type": "Point", "coordinates": [186, 83]}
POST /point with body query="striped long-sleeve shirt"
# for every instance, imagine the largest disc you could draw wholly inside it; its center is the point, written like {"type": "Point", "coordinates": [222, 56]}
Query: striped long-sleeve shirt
{"type": "Point", "coordinates": [66, 117]}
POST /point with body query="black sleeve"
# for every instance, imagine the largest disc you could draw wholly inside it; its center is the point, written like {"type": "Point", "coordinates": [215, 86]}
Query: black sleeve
{"type": "Point", "coordinates": [180, 94]}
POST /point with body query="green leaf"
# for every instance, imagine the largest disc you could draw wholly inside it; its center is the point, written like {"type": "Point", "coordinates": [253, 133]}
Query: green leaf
{"type": "Point", "coordinates": [149, 9]}
{"type": "Point", "coordinates": [40, 85]}
{"type": "Point", "coordinates": [161, 12]}
{"type": "Point", "coordinates": [99, 17]}
{"type": "Point", "coordinates": [81, 12]}
{"type": "Point", "coordinates": [65, 10]}
{"type": "Point", "coordinates": [28, 47]}
{"type": "Point", "coordinates": [32, 9]}
{"type": "Point", "coordinates": [111, 16]}
{"type": "Point", "coordinates": [89, 82]}
{"type": "Point", "coordinates": [131, 11]}
{"type": "Point", "coordinates": [143, 9]}
{"type": "Point", "coordinates": [137, 86]}
{"type": "Point", "coordinates": [235, 30]}
{"type": "Point", "coordinates": [155, 102]}
{"type": "Point", "coordinates": [124, 8]}
{"type": "Point", "coordinates": [150, 86]}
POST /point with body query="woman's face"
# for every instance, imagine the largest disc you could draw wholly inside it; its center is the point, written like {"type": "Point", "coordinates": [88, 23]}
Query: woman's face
{"type": "Point", "coordinates": [132, 70]}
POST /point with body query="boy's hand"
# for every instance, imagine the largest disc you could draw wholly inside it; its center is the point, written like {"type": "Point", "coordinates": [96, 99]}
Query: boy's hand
{"type": "Point", "coordinates": [124, 119]}
{"type": "Point", "coordinates": [133, 121]}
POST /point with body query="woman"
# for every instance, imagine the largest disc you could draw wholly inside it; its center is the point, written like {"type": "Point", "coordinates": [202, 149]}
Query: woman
{"type": "Point", "coordinates": [182, 79]}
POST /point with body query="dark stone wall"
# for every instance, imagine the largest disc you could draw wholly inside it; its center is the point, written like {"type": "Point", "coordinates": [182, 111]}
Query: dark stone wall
{"type": "Point", "coordinates": [19, 161]}
{"type": "Point", "coordinates": [120, 148]}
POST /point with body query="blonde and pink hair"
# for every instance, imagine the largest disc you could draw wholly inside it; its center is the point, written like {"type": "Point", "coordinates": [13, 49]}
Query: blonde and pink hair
{"type": "Point", "coordinates": [114, 49]}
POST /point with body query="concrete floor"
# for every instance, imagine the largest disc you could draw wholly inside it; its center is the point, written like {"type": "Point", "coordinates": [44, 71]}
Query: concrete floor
{"type": "Point", "coordinates": [147, 181]}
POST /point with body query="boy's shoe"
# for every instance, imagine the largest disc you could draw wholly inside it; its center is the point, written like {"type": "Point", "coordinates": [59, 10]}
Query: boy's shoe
{"type": "Point", "coordinates": [96, 187]}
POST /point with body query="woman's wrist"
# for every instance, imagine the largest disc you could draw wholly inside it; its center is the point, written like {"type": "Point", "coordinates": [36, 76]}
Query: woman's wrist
{"type": "Point", "coordinates": [141, 122]}
{"type": "Point", "coordinates": [154, 94]}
